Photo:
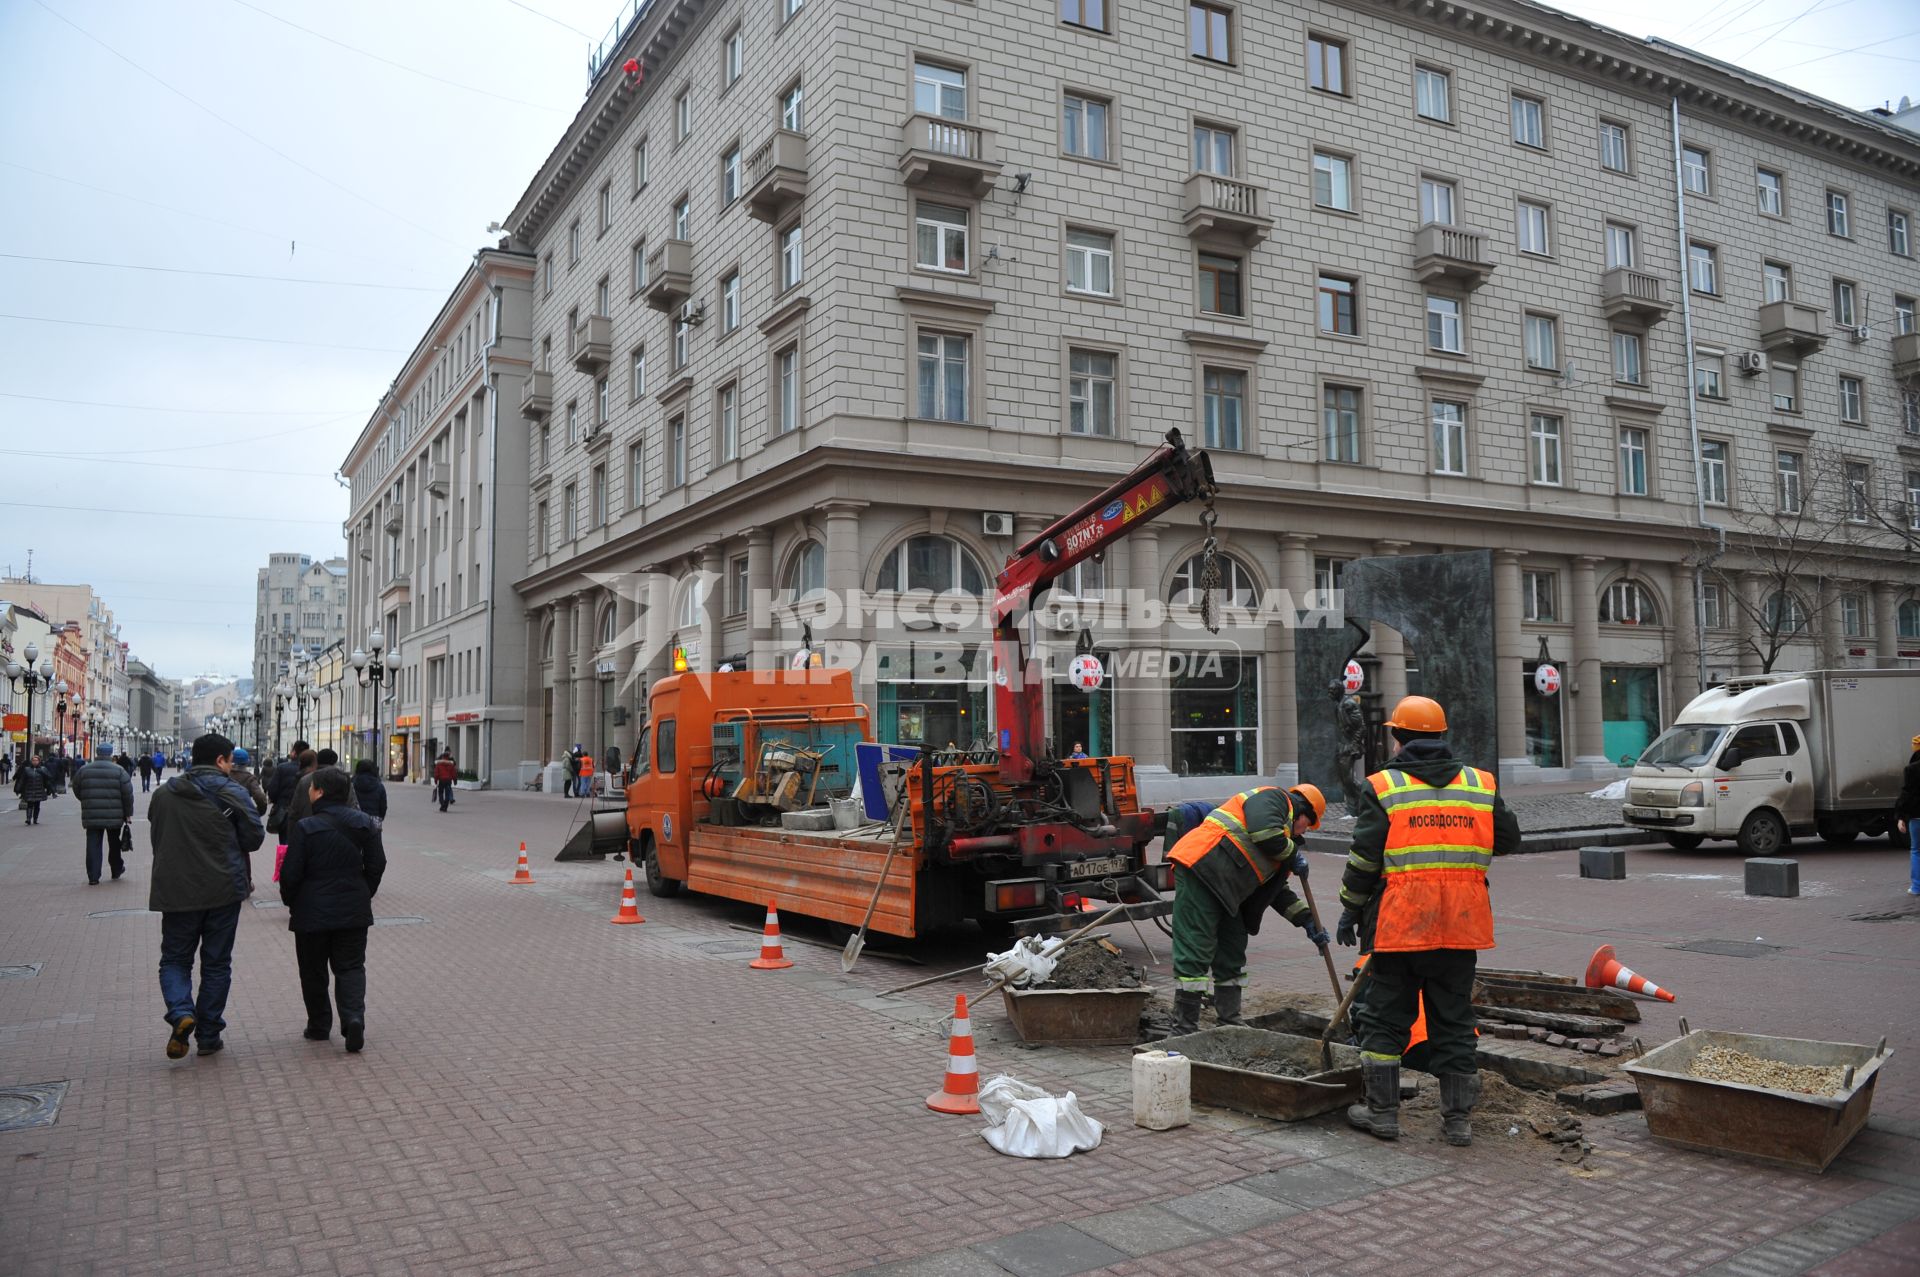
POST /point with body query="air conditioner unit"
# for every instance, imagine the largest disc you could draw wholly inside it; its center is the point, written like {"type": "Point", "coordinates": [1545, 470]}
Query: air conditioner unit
{"type": "Point", "coordinates": [995, 524]}
{"type": "Point", "coordinates": [1860, 334]}
{"type": "Point", "coordinates": [1752, 362]}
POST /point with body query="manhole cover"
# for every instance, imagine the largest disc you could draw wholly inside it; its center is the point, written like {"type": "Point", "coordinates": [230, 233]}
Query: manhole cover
{"type": "Point", "coordinates": [400, 920]}
{"type": "Point", "coordinates": [725, 946]}
{"type": "Point", "coordinates": [269, 904]}
{"type": "Point", "coordinates": [1730, 948]}
{"type": "Point", "coordinates": [121, 913]}
{"type": "Point", "coordinates": [20, 971]}
{"type": "Point", "coordinates": [23, 1108]}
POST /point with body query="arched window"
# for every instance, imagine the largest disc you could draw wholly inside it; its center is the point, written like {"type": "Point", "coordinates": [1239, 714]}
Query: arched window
{"type": "Point", "coordinates": [693, 597]}
{"type": "Point", "coordinates": [546, 643]}
{"type": "Point", "coordinates": [607, 626]}
{"type": "Point", "coordinates": [807, 573]}
{"type": "Point", "coordinates": [1910, 619]}
{"type": "Point", "coordinates": [1627, 602]}
{"type": "Point", "coordinates": [933, 563]}
{"type": "Point", "coordinates": [1784, 614]}
{"type": "Point", "coordinates": [1236, 583]}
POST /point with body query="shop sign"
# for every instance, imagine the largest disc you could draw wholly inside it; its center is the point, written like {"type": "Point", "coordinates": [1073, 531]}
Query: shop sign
{"type": "Point", "coordinates": [407, 720]}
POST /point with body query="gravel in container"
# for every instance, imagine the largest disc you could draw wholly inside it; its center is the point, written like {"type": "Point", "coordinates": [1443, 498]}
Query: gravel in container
{"type": "Point", "coordinates": [1724, 1064]}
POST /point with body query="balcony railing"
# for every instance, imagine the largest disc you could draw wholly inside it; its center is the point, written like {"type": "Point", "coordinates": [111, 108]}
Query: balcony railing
{"type": "Point", "coordinates": [777, 175]}
{"type": "Point", "coordinates": [1216, 205]}
{"type": "Point", "coordinates": [1906, 355]}
{"type": "Point", "coordinates": [1793, 324]}
{"type": "Point", "coordinates": [1633, 295]}
{"type": "Point", "coordinates": [593, 343]}
{"type": "Point", "coordinates": [935, 150]}
{"type": "Point", "coordinates": [536, 394]}
{"type": "Point", "coordinates": [1451, 253]}
{"type": "Point", "coordinates": [670, 274]}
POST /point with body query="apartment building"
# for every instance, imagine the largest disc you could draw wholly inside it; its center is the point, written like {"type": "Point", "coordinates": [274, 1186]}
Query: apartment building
{"type": "Point", "coordinates": [841, 295]}
{"type": "Point", "coordinates": [436, 537]}
{"type": "Point", "coordinates": [300, 606]}
{"type": "Point", "coordinates": [96, 661]}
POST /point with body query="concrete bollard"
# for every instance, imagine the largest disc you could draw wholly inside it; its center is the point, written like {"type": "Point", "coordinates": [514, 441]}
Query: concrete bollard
{"type": "Point", "coordinates": [1771, 876]}
{"type": "Point", "coordinates": [1603, 862]}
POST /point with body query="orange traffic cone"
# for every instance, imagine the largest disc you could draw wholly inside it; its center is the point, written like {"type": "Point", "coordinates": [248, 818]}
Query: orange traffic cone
{"type": "Point", "coordinates": [629, 907]}
{"type": "Point", "coordinates": [960, 1093]}
{"type": "Point", "coordinates": [1605, 972]}
{"type": "Point", "coordinates": [521, 875]}
{"type": "Point", "coordinates": [771, 959]}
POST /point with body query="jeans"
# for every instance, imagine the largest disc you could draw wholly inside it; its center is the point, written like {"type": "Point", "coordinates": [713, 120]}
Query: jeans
{"type": "Point", "coordinates": [443, 793]}
{"type": "Point", "coordinates": [105, 841]}
{"type": "Point", "coordinates": [211, 931]}
{"type": "Point", "coordinates": [1913, 856]}
{"type": "Point", "coordinates": [345, 952]}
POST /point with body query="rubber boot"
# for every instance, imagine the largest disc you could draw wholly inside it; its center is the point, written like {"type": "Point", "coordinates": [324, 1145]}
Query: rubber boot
{"type": "Point", "coordinates": [1186, 1011]}
{"type": "Point", "coordinates": [1380, 1114]}
{"type": "Point", "coordinates": [1458, 1094]}
{"type": "Point", "coordinates": [1226, 1004]}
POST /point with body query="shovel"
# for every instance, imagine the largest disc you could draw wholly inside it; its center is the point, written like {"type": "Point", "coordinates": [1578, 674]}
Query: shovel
{"type": "Point", "coordinates": [858, 940]}
{"type": "Point", "coordinates": [1326, 953]}
{"type": "Point", "coordinates": [1339, 1014]}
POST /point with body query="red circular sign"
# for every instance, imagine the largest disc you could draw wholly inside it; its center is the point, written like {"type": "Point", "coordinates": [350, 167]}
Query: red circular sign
{"type": "Point", "coordinates": [1546, 680]}
{"type": "Point", "coordinates": [1086, 672]}
{"type": "Point", "coordinates": [1354, 678]}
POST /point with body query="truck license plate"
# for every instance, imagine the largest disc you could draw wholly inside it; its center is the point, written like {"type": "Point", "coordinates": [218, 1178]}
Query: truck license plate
{"type": "Point", "coordinates": [1097, 868]}
{"type": "Point", "coordinates": [1648, 813]}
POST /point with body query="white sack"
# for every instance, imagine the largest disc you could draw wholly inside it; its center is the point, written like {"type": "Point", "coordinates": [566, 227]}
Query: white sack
{"type": "Point", "coordinates": [1027, 1122]}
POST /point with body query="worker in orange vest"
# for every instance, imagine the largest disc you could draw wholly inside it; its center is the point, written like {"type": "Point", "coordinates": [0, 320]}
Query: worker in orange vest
{"type": "Point", "coordinates": [1415, 897]}
{"type": "Point", "coordinates": [1229, 870]}
{"type": "Point", "coordinates": [586, 775]}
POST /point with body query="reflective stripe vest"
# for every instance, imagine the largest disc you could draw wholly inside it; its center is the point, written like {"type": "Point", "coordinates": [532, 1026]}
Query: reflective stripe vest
{"type": "Point", "coordinates": [1232, 860]}
{"type": "Point", "coordinates": [1434, 867]}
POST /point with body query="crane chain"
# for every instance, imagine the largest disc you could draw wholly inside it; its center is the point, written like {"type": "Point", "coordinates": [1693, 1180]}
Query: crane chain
{"type": "Point", "coordinates": [1209, 567]}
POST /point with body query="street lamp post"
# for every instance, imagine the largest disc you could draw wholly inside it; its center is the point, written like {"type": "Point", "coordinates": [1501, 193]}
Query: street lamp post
{"type": "Point", "coordinates": [373, 672]}
{"type": "Point", "coordinates": [32, 678]}
{"type": "Point", "coordinates": [60, 690]}
{"type": "Point", "coordinates": [302, 688]}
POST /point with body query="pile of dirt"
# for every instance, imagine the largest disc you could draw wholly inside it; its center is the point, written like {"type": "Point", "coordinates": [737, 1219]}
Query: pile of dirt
{"type": "Point", "coordinates": [1257, 1052]}
{"type": "Point", "coordinates": [1508, 1121]}
{"type": "Point", "coordinates": [1092, 965]}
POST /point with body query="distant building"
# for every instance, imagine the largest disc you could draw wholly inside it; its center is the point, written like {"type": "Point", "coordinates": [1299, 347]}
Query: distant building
{"type": "Point", "coordinates": [300, 606]}
{"type": "Point", "coordinates": [96, 669]}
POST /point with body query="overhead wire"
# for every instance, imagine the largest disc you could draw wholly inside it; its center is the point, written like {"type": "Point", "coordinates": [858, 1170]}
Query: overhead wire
{"type": "Point", "coordinates": [164, 465]}
{"type": "Point", "coordinates": [187, 332]}
{"type": "Point", "coordinates": [195, 412]}
{"type": "Point", "coordinates": [259, 520]}
{"type": "Point", "coordinates": [550, 18]}
{"type": "Point", "coordinates": [230, 443]}
{"type": "Point", "coordinates": [1774, 35]}
{"type": "Point", "coordinates": [221, 274]}
{"type": "Point", "coordinates": [1859, 48]}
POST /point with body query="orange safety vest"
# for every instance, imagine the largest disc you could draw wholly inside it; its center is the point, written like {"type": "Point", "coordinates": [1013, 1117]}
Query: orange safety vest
{"type": "Point", "coordinates": [1230, 859]}
{"type": "Point", "coordinates": [586, 765]}
{"type": "Point", "coordinates": [1434, 866]}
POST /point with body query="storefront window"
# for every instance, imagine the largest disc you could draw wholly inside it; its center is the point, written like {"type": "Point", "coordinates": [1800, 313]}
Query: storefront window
{"type": "Point", "coordinates": [1079, 717]}
{"type": "Point", "coordinates": [1216, 714]}
{"type": "Point", "coordinates": [1629, 710]}
{"type": "Point", "coordinates": [933, 695]}
{"type": "Point", "coordinates": [1546, 740]}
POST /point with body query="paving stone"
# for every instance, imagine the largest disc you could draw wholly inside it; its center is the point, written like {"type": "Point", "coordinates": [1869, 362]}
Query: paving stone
{"type": "Point", "coordinates": [947, 1263]}
{"type": "Point", "coordinates": [1230, 1208]}
{"type": "Point", "coordinates": [1556, 1039]}
{"type": "Point", "coordinates": [1143, 1230]}
{"type": "Point", "coordinates": [1056, 1250]}
{"type": "Point", "coordinates": [1309, 1184]}
{"type": "Point", "coordinates": [1384, 1166]}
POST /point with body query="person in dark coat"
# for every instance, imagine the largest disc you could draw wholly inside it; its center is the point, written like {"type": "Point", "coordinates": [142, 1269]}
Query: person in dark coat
{"type": "Point", "coordinates": [242, 775]}
{"type": "Point", "coordinates": [6, 766]}
{"type": "Point", "coordinates": [333, 868]}
{"type": "Point", "coordinates": [1907, 809]}
{"type": "Point", "coordinates": [281, 785]}
{"type": "Point", "coordinates": [106, 803]}
{"type": "Point", "coordinates": [369, 790]}
{"type": "Point", "coordinates": [34, 787]}
{"type": "Point", "coordinates": [146, 772]}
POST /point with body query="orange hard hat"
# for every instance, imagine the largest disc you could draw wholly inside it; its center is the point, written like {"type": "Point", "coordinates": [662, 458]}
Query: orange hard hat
{"type": "Point", "coordinates": [1418, 714]}
{"type": "Point", "coordinates": [1315, 799]}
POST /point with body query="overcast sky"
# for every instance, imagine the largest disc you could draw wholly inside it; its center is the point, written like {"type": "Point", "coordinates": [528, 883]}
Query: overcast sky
{"type": "Point", "coordinates": [368, 150]}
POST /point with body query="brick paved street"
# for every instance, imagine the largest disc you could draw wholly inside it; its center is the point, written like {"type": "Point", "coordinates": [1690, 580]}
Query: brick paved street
{"type": "Point", "coordinates": [542, 1092]}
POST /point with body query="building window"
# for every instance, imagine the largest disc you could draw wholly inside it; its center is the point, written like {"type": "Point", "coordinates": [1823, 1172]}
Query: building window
{"type": "Point", "coordinates": [1776, 281]}
{"type": "Point", "coordinates": [1532, 228]}
{"type": "Point", "coordinates": [543, 529]}
{"type": "Point", "coordinates": [739, 588]}
{"type": "Point", "coordinates": [1213, 150]}
{"type": "Point", "coordinates": [546, 275]}
{"type": "Point", "coordinates": [1909, 619]}
{"type": "Point", "coordinates": [1903, 315]}
{"type": "Point", "coordinates": [1633, 462]}
{"type": "Point", "coordinates": [676, 452]}
{"type": "Point", "coordinates": [1339, 309]}
{"type": "Point", "coordinates": [683, 115]}
{"type": "Point", "coordinates": [730, 302]}
{"type": "Point", "coordinates": [1711, 612]}
{"type": "Point", "coordinates": [807, 573]}
{"type": "Point", "coordinates": [1696, 170]}
{"type": "Point", "coordinates": [1897, 232]}
{"type": "Point", "coordinates": [788, 8]}
{"type": "Point", "coordinates": [569, 513]}
{"type": "Point", "coordinates": [602, 402]}
{"type": "Point", "coordinates": [1436, 202]}
{"type": "Point", "coordinates": [1449, 420]}
{"type": "Point", "coordinates": [1083, 127]}
{"type": "Point", "coordinates": [1539, 596]}
{"type": "Point", "coordinates": [1910, 409]}
{"type": "Point", "coordinates": [734, 57]}
{"type": "Point", "coordinates": [1220, 292]}
{"type": "Point", "coordinates": [1913, 500]}
{"type": "Point", "coordinates": [1340, 409]}
{"type": "Point", "coordinates": [1529, 116]}
{"type": "Point", "coordinates": [939, 90]}
{"type": "Point", "coordinates": [1333, 181]}
{"type": "Point", "coordinates": [546, 446]}
{"type": "Point", "coordinates": [637, 373]}
{"type": "Point", "coordinates": [1713, 471]}
{"type": "Point", "coordinates": [1619, 245]}
{"type": "Point", "coordinates": [1772, 189]}
{"type": "Point", "coordinates": [1852, 402]}
{"type": "Point", "coordinates": [1838, 218]}
{"type": "Point", "coordinates": [1445, 331]}
{"type": "Point", "coordinates": [787, 374]}
{"type": "Point", "coordinates": [598, 497]}
{"type": "Point", "coordinates": [1327, 64]}
{"type": "Point", "coordinates": [940, 238]}
{"type": "Point", "coordinates": [1845, 310]}
{"type": "Point", "coordinates": [726, 422]}
{"type": "Point", "coordinates": [1784, 614]}
{"type": "Point", "coordinates": [1542, 343]}
{"type": "Point", "coordinates": [1859, 488]}
{"type": "Point", "coordinates": [1210, 31]}
{"type": "Point", "coordinates": [636, 474]}
{"type": "Point", "coordinates": [1090, 263]}
{"type": "Point", "coordinates": [1784, 382]}
{"type": "Point", "coordinates": [1627, 358]}
{"type": "Point", "coordinates": [1627, 602]}
{"type": "Point", "coordinates": [640, 166]}
{"type": "Point", "coordinates": [1615, 149]}
{"type": "Point", "coordinates": [943, 376]}
{"type": "Point", "coordinates": [1223, 408]}
{"type": "Point", "coordinates": [682, 336]}
{"type": "Point", "coordinates": [639, 266]}
{"type": "Point", "coordinates": [573, 242]}
{"type": "Point", "coordinates": [933, 563]}
{"type": "Point", "coordinates": [1543, 448]}
{"type": "Point", "coordinates": [1787, 479]}
{"type": "Point", "coordinates": [1236, 582]}
{"type": "Point", "coordinates": [683, 218]}
{"type": "Point", "coordinates": [730, 177]}
{"type": "Point", "coordinates": [1703, 268]}
{"type": "Point", "coordinates": [793, 262]}
{"type": "Point", "coordinates": [573, 421]}
{"type": "Point", "coordinates": [1433, 94]}
{"type": "Point", "coordinates": [603, 296]}
{"type": "Point", "coordinates": [1091, 14]}
{"type": "Point", "coordinates": [793, 108]}
{"type": "Point", "coordinates": [1091, 378]}
{"type": "Point", "coordinates": [1853, 616]}
{"type": "Point", "coordinates": [606, 206]}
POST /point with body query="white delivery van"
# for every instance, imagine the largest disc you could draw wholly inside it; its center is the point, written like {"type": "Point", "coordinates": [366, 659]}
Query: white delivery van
{"type": "Point", "coordinates": [1763, 759]}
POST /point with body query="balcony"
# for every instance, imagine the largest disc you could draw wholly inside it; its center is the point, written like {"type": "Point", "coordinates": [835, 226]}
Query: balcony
{"type": "Point", "coordinates": [593, 343]}
{"type": "Point", "coordinates": [1792, 324]}
{"type": "Point", "coordinates": [936, 151]}
{"type": "Point", "coordinates": [1633, 296]}
{"type": "Point", "coordinates": [1906, 355]}
{"type": "Point", "coordinates": [1449, 253]}
{"type": "Point", "coordinates": [776, 175]}
{"type": "Point", "coordinates": [536, 394]}
{"type": "Point", "coordinates": [438, 475]}
{"type": "Point", "coordinates": [1221, 207]}
{"type": "Point", "coordinates": [670, 274]}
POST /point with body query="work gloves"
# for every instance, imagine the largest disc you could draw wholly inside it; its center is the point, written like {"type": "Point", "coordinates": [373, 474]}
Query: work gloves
{"type": "Point", "coordinates": [1300, 864]}
{"type": "Point", "coordinates": [1349, 928]}
{"type": "Point", "coordinates": [1317, 934]}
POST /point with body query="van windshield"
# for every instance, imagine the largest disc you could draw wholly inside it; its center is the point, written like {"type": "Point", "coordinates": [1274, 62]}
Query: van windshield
{"type": "Point", "coordinates": [1688, 746]}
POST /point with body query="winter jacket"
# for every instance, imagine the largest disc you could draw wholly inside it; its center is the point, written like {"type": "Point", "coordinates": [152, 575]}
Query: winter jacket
{"type": "Point", "coordinates": [445, 770]}
{"type": "Point", "coordinates": [244, 777]}
{"type": "Point", "coordinates": [281, 783]}
{"type": "Point", "coordinates": [371, 793]}
{"type": "Point", "coordinates": [105, 794]}
{"type": "Point", "coordinates": [1907, 807]}
{"type": "Point", "coordinates": [146, 765]}
{"type": "Point", "coordinates": [333, 868]}
{"type": "Point", "coordinates": [32, 784]}
{"type": "Point", "coordinates": [203, 827]}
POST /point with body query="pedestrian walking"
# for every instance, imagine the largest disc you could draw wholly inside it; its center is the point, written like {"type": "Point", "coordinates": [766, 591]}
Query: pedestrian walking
{"type": "Point", "coordinates": [34, 787]}
{"type": "Point", "coordinates": [585, 786]}
{"type": "Point", "coordinates": [106, 803]}
{"type": "Point", "coordinates": [159, 765]}
{"type": "Point", "coordinates": [299, 806]}
{"type": "Point", "coordinates": [573, 770]}
{"type": "Point", "coordinates": [369, 791]}
{"type": "Point", "coordinates": [56, 768]}
{"type": "Point", "coordinates": [332, 871]}
{"type": "Point", "coordinates": [6, 766]}
{"type": "Point", "coordinates": [445, 772]}
{"type": "Point", "coordinates": [1907, 810]}
{"type": "Point", "coordinates": [146, 772]}
{"type": "Point", "coordinates": [203, 829]}
{"type": "Point", "coordinates": [242, 775]}
{"type": "Point", "coordinates": [1415, 897]}
{"type": "Point", "coordinates": [280, 784]}
{"type": "Point", "coordinates": [1228, 871]}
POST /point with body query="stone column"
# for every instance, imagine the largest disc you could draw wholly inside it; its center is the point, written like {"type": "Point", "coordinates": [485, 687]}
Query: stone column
{"type": "Point", "coordinates": [1388, 646]}
{"type": "Point", "coordinates": [1886, 626]}
{"type": "Point", "coordinates": [1589, 733]}
{"type": "Point", "coordinates": [843, 569]}
{"type": "Point", "coordinates": [1142, 704]}
{"type": "Point", "coordinates": [1509, 659]}
{"type": "Point", "coordinates": [1829, 637]}
{"type": "Point", "coordinates": [1280, 697]}
{"type": "Point", "coordinates": [561, 680]}
{"type": "Point", "coordinates": [760, 592]}
{"type": "Point", "coordinates": [1751, 615]}
{"type": "Point", "coordinates": [1683, 662]}
{"type": "Point", "coordinates": [586, 684]}
{"type": "Point", "coordinates": [532, 744]}
{"type": "Point", "coordinates": [628, 690]}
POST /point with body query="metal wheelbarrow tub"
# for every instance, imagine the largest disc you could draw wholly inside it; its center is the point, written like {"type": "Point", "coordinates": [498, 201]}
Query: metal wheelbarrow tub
{"type": "Point", "coordinates": [1077, 1017]}
{"type": "Point", "coordinates": [1266, 1094]}
{"type": "Point", "coordinates": [1783, 1128]}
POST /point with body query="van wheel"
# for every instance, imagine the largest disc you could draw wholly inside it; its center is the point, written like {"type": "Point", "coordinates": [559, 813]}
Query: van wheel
{"type": "Point", "coordinates": [1763, 833]}
{"type": "Point", "coordinates": [658, 884]}
{"type": "Point", "coordinates": [1685, 842]}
